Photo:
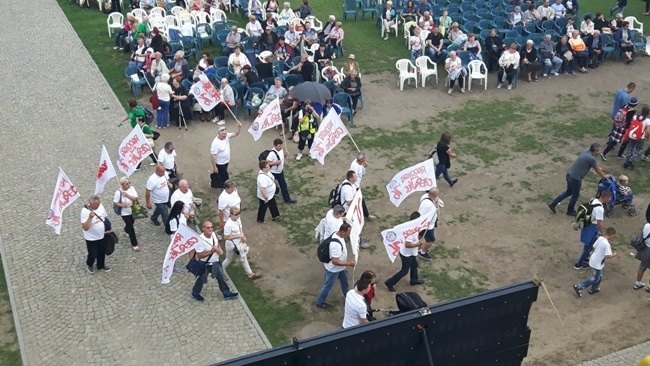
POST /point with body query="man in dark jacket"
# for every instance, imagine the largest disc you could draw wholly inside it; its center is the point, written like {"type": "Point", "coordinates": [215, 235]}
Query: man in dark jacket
{"type": "Point", "coordinates": [595, 48]}
{"type": "Point", "coordinates": [494, 47]}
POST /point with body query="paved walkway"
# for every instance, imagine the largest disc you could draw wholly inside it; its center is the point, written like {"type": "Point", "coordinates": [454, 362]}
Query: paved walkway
{"type": "Point", "coordinates": [627, 357]}
{"type": "Point", "coordinates": [57, 111]}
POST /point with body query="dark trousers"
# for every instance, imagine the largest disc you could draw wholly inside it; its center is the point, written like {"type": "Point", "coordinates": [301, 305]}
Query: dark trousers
{"type": "Point", "coordinates": [283, 186]}
{"type": "Point", "coordinates": [96, 251]}
{"type": "Point", "coordinates": [408, 264]}
{"type": "Point", "coordinates": [610, 147]}
{"type": "Point", "coordinates": [153, 157]}
{"type": "Point", "coordinates": [220, 110]}
{"type": "Point", "coordinates": [573, 187]}
{"type": "Point", "coordinates": [304, 140]}
{"type": "Point", "coordinates": [223, 172]}
{"type": "Point", "coordinates": [130, 230]}
{"type": "Point", "coordinates": [217, 272]}
{"type": "Point", "coordinates": [271, 205]}
{"type": "Point", "coordinates": [493, 59]}
{"type": "Point", "coordinates": [510, 73]}
{"type": "Point", "coordinates": [366, 213]}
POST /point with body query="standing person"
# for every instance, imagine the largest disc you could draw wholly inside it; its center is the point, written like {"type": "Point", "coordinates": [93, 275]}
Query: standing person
{"type": "Point", "coordinates": [444, 158]}
{"type": "Point", "coordinates": [333, 221]}
{"type": "Point", "coordinates": [356, 310]}
{"type": "Point", "coordinates": [234, 236]}
{"type": "Point", "coordinates": [589, 233]}
{"type": "Point", "coordinates": [643, 256]}
{"type": "Point", "coordinates": [158, 192]}
{"type": "Point", "coordinates": [409, 257]}
{"type": "Point", "coordinates": [208, 251]}
{"type": "Point", "coordinates": [574, 177]}
{"type": "Point", "coordinates": [335, 269]}
{"type": "Point", "coordinates": [93, 225]}
{"type": "Point", "coordinates": [266, 193]}
{"type": "Point", "coordinates": [348, 189]}
{"type": "Point", "coordinates": [636, 135]}
{"type": "Point", "coordinates": [184, 193]}
{"type": "Point", "coordinates": [307, 128]}
{"type": "Point", "coordinates": [220, 151]}
{"type": "Point", "coordinates": [622, 120]}
{"type": "Point", "coordinates": [619, 7]}
{"type": "Point", "coordinates": [602, 251]}
{"type": "Point", "coordinates": [276, 160]}
{"type": "Point", "coordinates": [165, 94]}
{"type": "Point", "coordinates": [124, 198]}
{"type": "Point", "coordinates": [622, 98]}
{"type": "Point", "coordinates": [359, 165]}
{"type": "Point", "coordinates": [430, 201]}
{"type": "Point", "coordinates": [175, 219]}
{"type": "Point", "coordinates": [167, 157]}
{"type": "Point", "coordinates": [228, 199]}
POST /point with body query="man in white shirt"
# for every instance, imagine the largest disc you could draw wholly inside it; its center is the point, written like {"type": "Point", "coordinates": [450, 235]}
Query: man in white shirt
{"type": "Point", "coordinates": [220, 151]}
{"type": "Point", "coordinates": [602, 251]}
{"type": "Point", "coordinates": [348, 189]}
{"type": "Point", "coordinates": [207, 250]}
{"type": "Point", "coordinates": [228, 199]}
{"type": "Point", "coordinates": [158, 192]}
{"type": "Point", "coordinates": [184, 194]}
{"type": "Point", "coordinates": [292, 38]}
{"type": "Point", "coordinates": [355, 307]}
{"type": "Point", "coordinates": [333, 221]}
{"type": "Point", "coordinates": [359, 165]}
{"type": "Point", "coordinates": [92, 223]}
{"type": "Point", "coordinates": [335, 269]}
{"type": "Point", "coordinates": [589, 233]}
{"type": "Point", "coordinates": [409, 256]}
{"type": "Point", "coordinates": [429, 202]}
{"type": "Point", "coordinates": [276, 159]}
{"type": "Point", "coordinates": [266, 189]}
{"type": "Point", "coordinates": [167, 157]}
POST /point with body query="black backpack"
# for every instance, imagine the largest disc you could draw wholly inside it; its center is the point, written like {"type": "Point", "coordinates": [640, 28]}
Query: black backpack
{"type": "Point", "coordinates": [323, 251]}
{"type": "Point", "coordinates": [148, 115]}
{"type": "Point", "coordinates": [407, 301]}
{"type": "Point", "coordinates": [583, 214]}
{"type": "Point", "coordinates": [335, 194]}
{"type": "Point", "coordinates": [265, 154]}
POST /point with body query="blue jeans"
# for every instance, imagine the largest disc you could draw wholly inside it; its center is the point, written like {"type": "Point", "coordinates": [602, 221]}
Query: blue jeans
{"type": "Point", "coordinates": [161, 210]}
{"type": "Point", "coordinates": [120, 39]}
{"type": "Point", "coordinates": [163, 114]}
{"type": "Point", "coordinates": [588, 237]}
{"type": "Point", "coordinates": [283, 186]}
{"type": "Point", "coordinates": [136, 64]}
{"type": "Point", "coordinates": [436, 57]}
{"type": "Point", "coordinates": [442, 169]}
{"type": "Point", "coordinates": [217, 272]}
{"type": "Point", "coordinates": [408, 264]}
{"type": "Point", "coordinates": [573, 187]}
{"type": "Point", "coordinates": [594, 281]}
{"type": "Point", "coordinates": [330, 279]}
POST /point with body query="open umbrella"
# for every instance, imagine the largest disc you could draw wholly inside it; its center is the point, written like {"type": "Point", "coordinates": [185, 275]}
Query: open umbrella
{"type": "Point", "coordinates": [312, 91]}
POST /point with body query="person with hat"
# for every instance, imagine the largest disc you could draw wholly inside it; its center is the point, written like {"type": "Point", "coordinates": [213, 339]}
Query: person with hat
{"type": "Point", "coordinates": [220, 151]}
{"type": "Point", "coordinates": [622, 120]}
{"type": "Point", "coordinates": [350, 65]}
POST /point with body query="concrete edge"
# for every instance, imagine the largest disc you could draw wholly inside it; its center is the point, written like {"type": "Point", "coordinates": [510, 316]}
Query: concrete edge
{"type": "Point", "coordinates": [12, 301]}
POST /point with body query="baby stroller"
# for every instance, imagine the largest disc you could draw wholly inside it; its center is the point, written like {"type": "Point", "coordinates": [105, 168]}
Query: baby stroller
{"type": "Point", "coordinates": [609, 184]}
{"type": "Point", "coordinates": [406, 301]}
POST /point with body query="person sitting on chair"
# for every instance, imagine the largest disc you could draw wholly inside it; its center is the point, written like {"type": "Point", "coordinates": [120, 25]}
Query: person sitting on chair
{"type": "Point", "coordinates": [624, 39]}
{"type": "Point", "coordinates": [388, 18]}
{"type": "Point", "coordinates": [269, 39]}
{"type": "Point", "coordinates": [435, 45]}
{"type": "Point", "coordinates": [494, 47]}
{"type": "Point", "coordinates": [269, 21]}
{"type": "Point", "coordinates": [473, 47]}
{"type": "Point", "coordinates": [237, 60]}
{"type": "Point", "coordinates": [508, 66]}
{"type": "Point", "coordinates": [529, 61]}
{"type": "Point", "coordinates": [334, 38]}
{"type": "Point", "coordinates": [292, 38]}
{"type": "Point", "coordinates": [283, 51]}
{"type": "Point", "coordinates": [517, 17]}
{"type": "Point", "coordinates": [327, 28]}
{"type": "Point", "coordinates": [249, 77]}
{"type": "Point", "coordinates": [455, 69]}
{"type": "Point", "coordinates": [265, 68]}
{"type": "Point", "coordinates": [545, 11]}
{"type": "Point", "coordinates": [595, 47]}
{"type": "Point", "coordinates": [322, 56]}
{"type": "Point", "coordinates": [304, 68]}
{"type": "Point", "coordinates": [552, 63]}
{"type": "Point", "coordinates": [352, 85]}
{"type": "Point", "coordinates": [309, 34]}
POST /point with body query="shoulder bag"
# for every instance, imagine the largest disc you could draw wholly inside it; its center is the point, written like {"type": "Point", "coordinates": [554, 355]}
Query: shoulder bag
{"type": "Point", "coordinates": [197, 267]}
{"type": "Point", "coordinates": [638, 242]}
{"type": "Point", "coordinates": [117, 209]}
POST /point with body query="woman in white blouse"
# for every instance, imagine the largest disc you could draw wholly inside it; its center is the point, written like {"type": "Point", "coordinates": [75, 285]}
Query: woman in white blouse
{"type": "Point", "coordinates": [454, 67]}
{"type": "Point", "coordinates": [286, 13]}
{"type": "Point", "coordinates": [165, 93]}
{"type": "Point", "coordinates": [237, 60]}
{"type": "Point", "coordinates": [508, 66]}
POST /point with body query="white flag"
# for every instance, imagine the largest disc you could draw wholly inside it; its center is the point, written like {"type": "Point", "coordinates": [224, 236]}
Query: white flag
{"type": "Point", "coordinates": [270, 117]}
{"type": "Point", "coordinates": [184, 240]}
{"type": "Point", "coordinates": [105, 171]}
{"type": "Point", "coordinates": [205, 93]}
{"type": "Point", "coordinates": [64, 194]}
{"type": "Point", "coordinates": [419, 177]}
{"type": "Point", "coordinates": [133, 149]}
{"type": "Point", "coordinates": [330, 132]}
{"type": "Point", "coordinates": [395, 238]}
{"type": "Point", "coordinates": [355, 218]}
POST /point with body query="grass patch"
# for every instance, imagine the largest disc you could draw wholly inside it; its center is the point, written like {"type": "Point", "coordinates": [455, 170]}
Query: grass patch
{"type": "Point", "coordinates": [526, 185]}
{"type": "Point", "coordinates": [439, 251]}
{"type": "Point", "coordinates": [9, 350]}
{"type": "Point", "coordinates": [453, 282]}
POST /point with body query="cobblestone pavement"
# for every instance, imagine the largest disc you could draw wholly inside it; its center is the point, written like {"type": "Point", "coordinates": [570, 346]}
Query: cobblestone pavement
{"type": "Point", "coordinates": [626, 357]}
{"type": "Point", "coordinates": [57, 111]}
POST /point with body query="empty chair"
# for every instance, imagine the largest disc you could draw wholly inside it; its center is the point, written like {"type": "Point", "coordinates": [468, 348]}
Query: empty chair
{"type": "Point", "coordinates": [635, 24]}
{"type": "Point", "coordinates": [483, 14]}
{"type": "Point", "coordinates": [422, 64]}
{"type": "Point", "coordinates": [453, 8]}
{"type": "Point", "coordinates": [158, 11]}
{"type": "Point", "coordinates": [217, 15]}
{"type": "Point", "coordinates": [518, 28]}
{"type": "Point", "coordinates": [114, 21]}
{"type": "Point", "coordinates": [172, 21]}
{"type": "Point", "coordinates": [530, 28]}
{"type": "Point", "coordinates": [536, 37]}
{"type": "Point", "coordinates": [468, 27]}
{"type": "Point", "coordinates": [176, 10]}
{"type": "Point", "coordinates": [484, 24]}
{"type": "Point", "coordinates": [350, 8]}
{"type": "Point", "coordinates": [250, 99]}
{"type": "Point", "coordinates": [479, 5]}
{"type": "Point", "coordinates": [137, 80]}
{"type": "Point", "coordinates": [406, 71]}
{"type": "Point", "coordinates": [512, 34]}
{"type": "Point", "coordinates": [476, 70]}
{"type": "Point", "coordinates": [292, 80]}
{"type": "Point", "coordinates": [609, 46]}
{"type": "Point", "coordinates": [469, 16]}
{"type": "Point", "coordinates": [344, 101]}
{"type": "Point", "coordinates": [466, 6]}
{"type": "Point", "coordinates": [547, 25]}
{"type": "Point", "coordinates": [639, 40]}
{"type": "Point", "coordinates": [203, 17]}
{"type": "Point", "coordinates": [221, 61]}
{"type": "Point", "coordinates": [139, 14]}
{"type": "Point", "coordinates": [497, 11]}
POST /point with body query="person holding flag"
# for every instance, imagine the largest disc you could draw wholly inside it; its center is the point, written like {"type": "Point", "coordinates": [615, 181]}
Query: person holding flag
{"type": "Point", "coordinates": [124, 199]}
{"type": "Point", "coordinates": [220, 151]}
{"type": "Point", "coordinates": [93, 223]}
{"type": "Point", "coordinates": [409, 256]}
{"type": "Point", "coordinates": [429, 202]}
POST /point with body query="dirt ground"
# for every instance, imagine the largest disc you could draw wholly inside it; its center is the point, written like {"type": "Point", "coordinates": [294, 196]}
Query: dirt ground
{"type": "Point", "coordinates": [496, 214]}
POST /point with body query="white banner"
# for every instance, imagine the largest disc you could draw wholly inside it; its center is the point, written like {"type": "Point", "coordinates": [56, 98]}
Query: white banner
{"type": "Point", "coordinates": [330, 132]}
{"type": "Point", "coordinates": [105, 171]}
{"type": "Point", "coordinates": [133, 149]}
{"type": "Point", "coordinates": [355, 218]}
{"type": "Point", "coordinates": [64, 194]}
{"type": "Point", "coordinates": [419, 177]}
{"type": "Point", "coordinates": [205, 93]}
{"type": "Point", "coordinates": [270, 117]}
{"type": "Point", "coordinates": [183, 241]}
{"type": "Point", "coordinates": [395, 238]}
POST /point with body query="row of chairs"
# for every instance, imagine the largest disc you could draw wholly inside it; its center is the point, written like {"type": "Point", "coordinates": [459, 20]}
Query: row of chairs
{"type": "Point", "coordinates": [477, 70]}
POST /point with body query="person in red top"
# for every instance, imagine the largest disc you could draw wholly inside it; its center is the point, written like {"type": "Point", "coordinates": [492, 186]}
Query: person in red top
{"type": "Point", "coordinates": [636, 135]}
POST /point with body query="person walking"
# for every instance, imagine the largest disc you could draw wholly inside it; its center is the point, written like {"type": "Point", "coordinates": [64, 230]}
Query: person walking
{"type": "Point", "coordinates": [409, 257]}
{"type": "Point", "coordinates": [266, 193]}
{"type": "Point", "coordinates": [636, 135]}
{"type": "Point", "coordinates": [276, 159]}
{"type": "Point", "coordinates": [228, 199]}
{"type": "Point", "coordinates": [589, 233]}
{"type": "Point", "coordinates": [602, 251]}
{"type": "Point", "coordinates": [158, 193]}
{"type": "Point", "coordinates": [444, 158]}
{"type": "Point", "coordinates": [207, 250]}
{"type": "Point", "coordinates": [336, 268]}
{"type": "Point", "coordinates": [643, 256]}
{"type": "Point", "coordinates": [124, 198]}
{"type": "Point", "coordinates": [93, 221]}
{"type": "Point", "coordinates": [236, 244]}
{"type": "Point", "coordinates": [622, 121]}
{"type": "Point", "coordinates": [430, 201]}
{"type": "Point", "coordinates": [220, 151]}
{"type": "Point", "coordinates": [356, 310]}
{"type": "Point", "coordinates": [574, 177]}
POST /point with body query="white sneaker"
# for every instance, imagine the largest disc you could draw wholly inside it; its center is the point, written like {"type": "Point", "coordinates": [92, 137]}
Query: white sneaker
{"type": "Point", "coordinates": [509, 86]}
{"type": "Point", "coordinates": [462, 90]}
{"type": "Point", "coordinates": [222, 122]}
{"type": "Point", "coordinates": [312, 157]}
{"type": "Point", "coordinates": [645, 158]}
{"type": "Point", "coordinates": [556, 74]}
{"type": "Point", "coordinates": [499, 85]}
{"type": "Point", "coordinates": [299, 156]}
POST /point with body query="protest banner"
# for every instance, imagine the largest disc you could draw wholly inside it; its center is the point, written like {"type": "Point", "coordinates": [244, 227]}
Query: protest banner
{"type": "Point", "coordinates": [394, 239]}
{"type": "Point", "coordinates": [105, 171]}
{"type": "Point", "coordinates": [330, 132]}
{"type": "Point", "coordinates": [64, 194]}
{"type": "Point", "coordinates": [419, 177]}
{"type": "Point", "coordinates": [355, 218]}
{"type": "Point", "coordinates": [269, 117]}
{"type": "Point", "coordinates": [182, 243]}
{"type": "Point", "coordinates": [205, 93]}
{"type": "Point", "coordinates": [133, 149]}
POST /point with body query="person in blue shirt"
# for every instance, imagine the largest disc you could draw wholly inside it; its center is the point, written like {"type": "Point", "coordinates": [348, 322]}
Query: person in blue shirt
{"type": "Point", "coordinates": [622, 98]}
{"type": "Point", "coordinates": [424, 6]}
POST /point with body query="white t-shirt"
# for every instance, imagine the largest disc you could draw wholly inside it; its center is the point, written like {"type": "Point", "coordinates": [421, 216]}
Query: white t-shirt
{"type": "Point", "coordinates": [173, 226]}
{"type": "Point", "coordinates": [164, 91]}
{"type": "Point", "coordinates": [267, 181]}
{"type": "Point", "coordinates": [347, 193]}
{"type": "Point", "coordinates": [158, 187]}
{"type": "Point", "coordinates": [96, 229]}
{"type": "Point", "coordinates": [232, 228]}
{"type": "Point", "coordinates": [254, 29]}
{"type": "Point", "coordinates": [337, 251]}
{"type": "Point", "coordinates": [186, 198]}
{"type": "Point", "coordinates": [227, 201]}
{"type": "Point", "coordinates": [360, 170]}
{"type": "Point", "coordinates": [167, 160]}
{"type": "Point", "coordinates": [332, 224]}
{"type": "Point", "coordinates": [410, 252]}
{"type": "Point", "coordinates": [355, 309]}
{"type": "Point", "coordinates": [646, 231]}
{"type": "Point", "coordinates": [277, 169]}
{"type": "Point", "coordinates": [597, 213]}
{"type": "Point", "coordinates": [205, 245]}
{"type": "Point", "coordinates": [601, 249]}
{"type": "Point", "coordinates": [126, 211]}
{"type": "Point", "coordinates": [426, 206]}
{"type": "Point", "coordinates": [221, 149]}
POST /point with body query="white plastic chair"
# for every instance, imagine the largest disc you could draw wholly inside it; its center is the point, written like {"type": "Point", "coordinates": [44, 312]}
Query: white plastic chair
{"type": "Point", "coordinates": [114, 20]}
{"type": "Point", "coordinates": [311, 51]}
{"type": "Point", "coordinates": [217, 15]}
{"type": "Point", "coordinates": [327, 69]}
{"type": "Point", "coordinates": [405, 66]}
{"type": "Point", "coordinates": [158, 11]}
{"type": "Point", "coordinates": [263, 55]}
{"type": "Point", "coordinates": [407, 33]}
{"type": "Point", "coordinates": [635, 24]}
{"type": "Point", "coordinates": [227, 4]}
{"type": "Point", "coordinates": [476, 69]}
{"type": "Point", "coordinates": [394, 27]}
{"type": "Point", "coordinates": [172, 21]}
{"type": "Point", "coordinates": [315, 23]}
{"type": "Point", "coordinates": [159, 23]}
{"type": "Point", "coordinates": [202, 17]}
{"type": "Point", "coordinates": [176, 10]}
{"type": "Point", "coordinates": [139, 14]}
{"type": "Point", "coordinates": [186, 18]}
{"type": "Point", "coordinates": [422, 64]}
{"type": "Point", "coordinates": [647, 46]}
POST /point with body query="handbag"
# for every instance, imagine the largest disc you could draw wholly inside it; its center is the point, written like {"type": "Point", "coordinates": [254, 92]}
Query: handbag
{"type": "Point", "coordinates": [568, 55]}
{"type": "Point", "coordinates": [296, 138]}
{"type": "Point", "coordinates": [155, 103]}
{"type": "Point", "coordinates": [155, 134]}
{"type": "Point", "coordinates": [117, 209]}
{"type": "Point", "coordinates": [110, 243]}
{"type": "Point", "coordinates": [583, 54]}
{"type": "Point", "coordinates": [138, 211]}
{"type": "Point", "coordinates": [638, 242]}
{"type": "Point", "coordinates": [197, 267]}
{"type": "Point", "coordinates": [215, 180]}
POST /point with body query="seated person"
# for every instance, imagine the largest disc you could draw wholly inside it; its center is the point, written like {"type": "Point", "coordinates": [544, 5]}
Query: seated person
{"type": "Point", "coordinates": [327, 28]}
{"type": "Point", "coordinates": [180, 68]}
{"type": "Point", "coordinates": [322, 56]}
{"type": "Point", "coordinates": [601, 24]}
{"type": "Point", "coordinates": [249, 77]}
{"type": "Point", "coordinates": [456, 72]}
{"type": "Point", "coordinates": [426, 22]}
{"type": "Point", "coordinates": [282, 50]}
{"type": "Point", "coordinates": [579, 49]}
{"type": "Point", "coordinates": [494, 47]}
{"type": "Point", "coordinates": [571, 6]}
{"type": "Point", "coordinates": [516, 17]}
{"type": "Point", "coordinates": [292, 37]}
{"type": "Point", "coordinates": [545, 11]}
{"type": "Point", "coordinates": [350, 65]}
{"type": "Point", "coordinates": [456, 35]}
{"type": "Point", "coordinates": [139, 55]}
{"type": "Point", "coordinates": [531, 15]}
{"type": "Point", "coordinates": [587, 27]}
{"type": "Point", "coordinates": [529, 61]}
{"type": "Point", "coordinates": [388, 18]}
{"type": "Point", "coordinates": [335, 38]}
{"type": "Point", "coordinates": [255, 8]}
{"type": "Point", "coordinates": [444, 22]}
{"type": "Point", "coordinates": [304, 68]}
{"type": "Point", "coordinates": [272, 6]}
{"type": "Point", "coordinates": [237, 60]}
{"type": "Point", "coordinates": [269, 21]}
{"type": "Point", "coordinates": [352, 85]}
{"type": "Point", "coordinates": [309, 34]}
{"type": "Point", "coordinates": [275, 91]}
{"type": "Point", "coordinates": [624, 191]}
{"type": "Point", "coordinates": [616, 23]}
{"type": "Point", "coordinates": [290, 104]}
{"type": "Point", "coordinates": [569, 27]}
{"type": "Point", "coordinates": [435, 45]}
{"type": "Point", "coordinates": [253, 27]}
{"type": "Point", "coordinates": [269, 39]}
{"type": "Point", "coordinates": [304, 11]}
{"type": "Point", "coordinates": [624, 39]}
{"type": "Point", "coordinates": [508, 66]}
{"type": "Point", "coordinates": [210, 69]}
{"type": "Point", "coordinates": [563, 50]}
{"type": "Point", "coordinates": [329, 72]}
{"type": "Point", "coordinates": [595, 47]}
{"type": "Point", "coordinates": [559, 9]}
{"type": "Point", "coordinates": [233, 39]}
{"type": "Point", "coordinates": [287, 14]}
{"type": "Point", "coordinates": [473, 47]}
{"type": "Point", "coordinates": [552, 63]}
{"type": "Point", "coordinates": [410, 12]}
{"type": "Point", "coordinates": [265, 68]}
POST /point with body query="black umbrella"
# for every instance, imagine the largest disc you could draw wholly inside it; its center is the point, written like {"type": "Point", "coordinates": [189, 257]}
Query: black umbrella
{"type": "Point", "coordinates": [312, 91]}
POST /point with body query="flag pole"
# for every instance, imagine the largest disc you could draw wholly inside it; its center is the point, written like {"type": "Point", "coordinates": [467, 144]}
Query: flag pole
{"type": "Point", "coordinates": [230, 110]}
{"type": "Point", "coordinates": [284, 137]}
{"type": "Point", "coordinates": [355, 144]}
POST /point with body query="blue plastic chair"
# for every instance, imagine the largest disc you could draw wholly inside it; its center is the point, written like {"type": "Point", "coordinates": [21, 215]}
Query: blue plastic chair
{"type": "Point", "coordinates": [281, 30]}
{"type": "Point", "coordinates": [484, 34]}
{"type": "Point", "coordinates": [560, 23]}
{"type": "Point", "coordinates": [508, 41]}
{"type": "Point", "coordinates": [350, 8]}
{"type": "Point", "coordinates": [132, 70]}
{"type": "Point", "coordinates": [530, 28]}
{"type": "Point", "coordinates": [344, 100]}
{"type": "Point", "coordinates": [469, 16]}
{"type": "Point", "coordinates": [292, 80]}
{"type": "Point", "coordinates": [479, 5]}
{"type": "Point", "coordinates": [466, 6]}
{"type": "Point", "coordinates": [609, 45]}
{"type": "Point", "coordinates": [497, 11]}
{"type": "Point", "coordinates": [536, 37]}
{"type": "Point", "coordinates": [174, 34]}
{"type": "Point", "coordinates": [468, 27]}
{"type": "Point", "coordinates": [495, 3]}
{"type": "Point", "coordinates": [521, 41]}
{"type": "Point", "coordinates": [483, 14]}
{"type": "Point", "coordinates": [369, 6]}
{"type": "Point", "coordinates": [174, 46]}
{"type": "Point", "coordinates": [484, 24]}
{"type": "Point", "coordinates": [190, 47]}
{"type": "Point", "coordinates": [547, 25]}
{"type": "Point", "coordinates": [465, 58]}
{"type": "Point", "coordinates": [243, 8]}
{"type": "Point", "coordinates": [223, 72]}
{"type": "Point", "coordinates": [219, 38]}
{"type": "Point", "coordinates": [509, 9]}
{"type": "Point", "coordinates": [248, 104]}
{"type": "Point", "coordinates": [241, 91]}
{"type": "Point", "coordinates": [453, 9]}
{"type": "Point", "coordinates": [519, 29]}
{"type": "Point", "coordinates": [555, 37]}
{"type": "Point", "coordinates": [249, 47]}
{"type": "Point", "coordinates": [203, 33]}
{"type": "Point", "coordinates": [221, 61]}
{"type": "Point", "coordinates": [512, 34]}
{"type": "Point", "coordinates": [638, 39]}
